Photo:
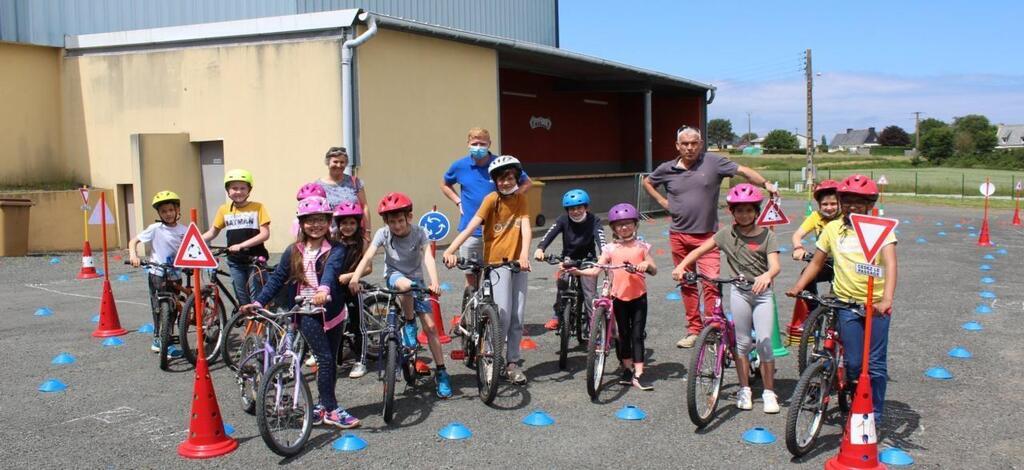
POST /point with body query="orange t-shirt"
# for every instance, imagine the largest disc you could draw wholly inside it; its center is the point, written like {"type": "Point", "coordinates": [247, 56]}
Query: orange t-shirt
{"type": "Point", "coordinates": [502, 229]}
{"type": "Point", "coordinates": [626, 285]}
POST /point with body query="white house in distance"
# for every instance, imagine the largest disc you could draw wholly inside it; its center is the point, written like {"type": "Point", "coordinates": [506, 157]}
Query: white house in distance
{"type": "Point", "coordinates": [1010, 136]}
{"type": "Point", "coordinates": [853, 140]}
{"type": "Point", "coordinates": [801, 141]}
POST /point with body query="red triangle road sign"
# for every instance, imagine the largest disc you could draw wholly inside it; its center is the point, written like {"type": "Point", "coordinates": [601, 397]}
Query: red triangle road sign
{"type": "Point", "coordinates": [193, 252]}
{"type": "Point", "coordinates": [871, 233]}
{"type": "Point", "coordinates": [772, 215]}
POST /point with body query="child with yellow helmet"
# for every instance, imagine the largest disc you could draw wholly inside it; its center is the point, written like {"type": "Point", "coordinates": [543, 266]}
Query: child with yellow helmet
{"type": "Point", "coordinates": [248, 226]}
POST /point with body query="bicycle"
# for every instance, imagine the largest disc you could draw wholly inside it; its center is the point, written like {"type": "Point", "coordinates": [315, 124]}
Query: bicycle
{"type": "Point", "coordinates": [813, 327]}
{"type": "Point", "coordinates": [257, 350]}
{"type": "Point", "coordinates": [240, 328]}
{"type": "Point", "coordinates": [571, 318]}
{"type": "Point", "coordinates": [825, 375]}
{"type": "Point", "coordinates": [396, 354]}
{"type": "Point", "coordinates": [169, 299]}
{"type": "Point", "coordinates": [285, 404]}
{"type": "Point", "coordinates": [603, 330]}
{"type": "Point", "coordinates": [483, 342]}
{"type": "Point", "coordinates": [715, 353]}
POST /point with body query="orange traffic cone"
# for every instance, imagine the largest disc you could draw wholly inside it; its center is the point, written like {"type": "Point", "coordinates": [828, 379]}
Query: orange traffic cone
{"type": "Point", "coordinates": [796, 325]}
{"type": "Point", "coordinates": [206, 436]}
{"type": "Point", "coordinates": [442, 335]}
{"type": "Point", "coordinates": [1016, 215]}
{"type": "Point", "coordinates": [88, 270]}
{"type": "Point", "coordinates": [527, 343]}
{"type": "Point", "coordinates": [859, 448]}
{"type": "Point", "coordinates": [983, 235]}
{"type": "Point", "coordinates": [110, 324]}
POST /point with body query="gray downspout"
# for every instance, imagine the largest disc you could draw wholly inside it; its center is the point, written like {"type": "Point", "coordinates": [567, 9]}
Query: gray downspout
{"type": "Point", "coordinates": [648, 151]}
{"type": "Point", "coordinates": [347, 89]}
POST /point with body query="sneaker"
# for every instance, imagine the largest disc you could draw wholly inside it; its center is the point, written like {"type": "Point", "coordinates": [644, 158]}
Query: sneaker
{"type": "Point", "coordinates": [174, 352]}
{"type": "Point", "coordinates": [311, 361]}
{"type": "Point", "coordinates": [641, 383]}
{"type": "Point", "coordinates": [358, 370]}
{"type": "Point", "coordinates": [341, 419]}
{"type": "Point", "coordinates": [444, 386]}
{"type": "Point", "coordinates": [409, 335]}
{"type": "Point", "coordinates": [155, 347]}
{"type": "Point", "coordinates": [688, 341]}
{"type": "Point", "coordinates": [744, 400]}
{"type": "Point", "coordinates": [627, 377]}
{"type": "Point", "coordinates": [318, 415]}
{"type": "Point", "coordinates": [771, 402]}
{"type": "Point", "coordinates": [516, 376]}
{"type": "Point", "coordinates": [552, 324]}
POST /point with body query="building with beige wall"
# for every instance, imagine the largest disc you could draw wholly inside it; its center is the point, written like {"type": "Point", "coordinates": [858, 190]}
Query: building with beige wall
{"type": "Point", "coordinates": [173, 108]}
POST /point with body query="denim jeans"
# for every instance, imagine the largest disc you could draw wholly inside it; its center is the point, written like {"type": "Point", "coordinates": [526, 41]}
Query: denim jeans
{"type": "Point", "coordinates": [240, 281]}
{"type": "Point", "coordinates": [851, 333]}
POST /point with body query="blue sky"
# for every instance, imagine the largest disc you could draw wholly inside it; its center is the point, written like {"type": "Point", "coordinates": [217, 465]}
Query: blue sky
{"type": "Point", "coordinates": [879, 60]}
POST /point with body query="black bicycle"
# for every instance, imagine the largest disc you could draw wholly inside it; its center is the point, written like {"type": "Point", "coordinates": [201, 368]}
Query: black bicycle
{"type": "Point", "coordinates": [483, 341]}
{"type": "Point", "coordinates": [169, 299]}
{"type": "Point", "coordinates": [241, 330]}
{"type": "Point", "coordinates": [570, 309]}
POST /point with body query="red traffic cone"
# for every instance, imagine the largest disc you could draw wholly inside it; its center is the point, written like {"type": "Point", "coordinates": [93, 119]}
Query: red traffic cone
{"type": "Point", "coordinates": [88, 270]}
{"type": "Point", "coordinates": [796, 324]}
{"type": "Point", "coordinates": [110, 324]}
{"type": "Point", "coordinates": [983, 235]}
{"type": "Point", "coordinates": [442, 335]}
{"type": "Point", "coordinates": [527, 343]}
{"type": "Point", "coordinates": [1016, 215]}
{"type": "Point", "coordinates": [859, 448]}
{"type": "Point", "coordinates": [206, 438]}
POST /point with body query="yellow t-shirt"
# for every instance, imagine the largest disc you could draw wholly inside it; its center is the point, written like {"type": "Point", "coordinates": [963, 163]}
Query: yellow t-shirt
{"type": "Point", "coordinates": [241, 224]}
{"type": "Point", "coordinates": [502, 229]}
{"type": "Point", "coordinates": [814, 223]}
{"type": "Point", "coordinates": [840, 242]}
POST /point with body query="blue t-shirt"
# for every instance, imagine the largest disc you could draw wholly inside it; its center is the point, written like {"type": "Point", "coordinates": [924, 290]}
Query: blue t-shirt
{"type": "Point", "coordinates": [474, 184]}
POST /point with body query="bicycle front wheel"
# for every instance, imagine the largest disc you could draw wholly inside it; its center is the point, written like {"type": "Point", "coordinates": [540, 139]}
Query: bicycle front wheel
{"type": "Point", "coordinates": [704, 382]}
{"type": "Point", "coordinates": [240, 333]}
{"type": "Point", "coordinates": [390, 371]}
{"type": "Point", "coordinates": [597, 352]}
{"type": "Point", "coordinates": [249, 378]}
{"type": "Point", "coordinates": [166, 332]}
{"type": "Point", "coordinates": [285, 416]}
{"type": "Point", "coordinates": [490, 366]}
{"type": "Point", "coordinates": [811, 338]}
{"type": "Point", "coordinates": [807, 408]}
{"type": "Point", "coordinates": [214, 322]}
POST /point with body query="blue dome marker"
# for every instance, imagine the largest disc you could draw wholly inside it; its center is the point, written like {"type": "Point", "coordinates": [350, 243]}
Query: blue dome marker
{"type": "Point", "coordinates": [938, 224]}
{"type": "Point", "coordinates": [983, 309]}
{"type": "Point", "coordinates": [123, 278]}
{"type": "Point", "coordinates": [54, 260]}
{"type": "Point", "coordinates": [985, 267]}
{"type": "Point", "coordinates": [988, 280]}
{"type": "Point", "coordinates": [941, 234]}
{"type": "Point", "coordinates": [988, 256]}
{"type": "Point", "coordinates": [113, 342]}
{"type": "Point", "coordinates": [959, 226]}
{"type": "Point", "coordinates": [971, 228]}
{"type": "Point", "coordinates": [783, 248]}
{"type": "Point", "coordinates": [228, 429]}
{"type": "Point", "coordinates": [538, 418]}
{"type": "Point", "coordinates": [972, 326]}
{"type": "Point", "coordinates": [631, 413]}
{"type": "Point", "coordinates": [349, 442]}
{"type": "Point", "coordinates": [455, 431]}
{"type": "Point", "coordinates": [63, 359]}
{"type": "Point", "coordinates": [673, 296]}
{"type": "Point", "coordinates": [960, 353]}
{"type": "Point", "coordinates": [972, 234]}
{"type": "Point", "coordinates": [52, 386]}
{"type": "Point", "coordinates": [896, 457]}
{"type": "Point", "coordinates": [922, 240]}
{"type": "Point", "coordinates": [987, 294]}
{"type": "Point", "coordinates": [938, 373]}
{"type": "Point", "coordinates": [445, 287]}
{"type": "Point", "coordinates": [43, 312]}
{"type": "Point", "coordinates": [95, 318]}
{"type": "Point", "coordinates": [906, 222]}
{"type": "Point", "coordinates": [147, 328]}
{"type": "Point", "coordinates": [99, 271]}
{"type": "Point", "coordinates": [1001, 251]}
{"type": "Point", "coordinates": [664, 233]}
{"type": "Point", "coordinates": [759, 436]}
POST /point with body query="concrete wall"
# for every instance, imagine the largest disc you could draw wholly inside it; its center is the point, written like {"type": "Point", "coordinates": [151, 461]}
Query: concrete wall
{"type": "Point", "coordinates": [55, 221]}
{"type": "Point", "coordinates": [417, 98]}
{"type": "Point", "coordinates": [167, 162]}
{"type": "Point", "coordinates": [30, 140]}
{"type": "Point", "coordinates": [275, 106]}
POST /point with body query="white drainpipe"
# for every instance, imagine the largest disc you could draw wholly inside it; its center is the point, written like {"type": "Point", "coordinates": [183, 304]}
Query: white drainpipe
{"type": "Point", "coordinates": [348, 114]}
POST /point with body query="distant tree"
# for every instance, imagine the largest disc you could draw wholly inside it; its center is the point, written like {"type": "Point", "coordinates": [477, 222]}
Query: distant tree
{"type": "Point", "coordinates": [929, 124]}
{"type": "Point", "coordinates": [963, 143]}
{"type": "Point", "coordinates": [780, 139]}
{"type": "Point", "coordinates": [824, 143]}
{"type": "Point", "coordinates": [937, 144]}
{"type": "Point", "coordinates": [720, 132]}
{"type": "Point", "coordinates": [894, 136]}
{"type": "Point", "coordinates": [748, 137]}
{"type": "Point", "coordinates": [978, 130]}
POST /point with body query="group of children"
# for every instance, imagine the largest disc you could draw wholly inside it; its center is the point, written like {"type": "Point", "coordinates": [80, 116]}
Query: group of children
{"type": "Point", "coordinates": [331, 254]}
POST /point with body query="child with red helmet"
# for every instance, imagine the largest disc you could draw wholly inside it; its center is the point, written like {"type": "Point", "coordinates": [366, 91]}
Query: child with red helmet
{"type": "Point", "coordinates": [751, 252]}
{"type": "Point", "coordinates": [406, 252]}
{"type": "Point", "coordinates": [348, 220]}
{"type": "Point", "coordinates": [309, 268]}
{"type": "Point", "coordinates": [828, 210]}
{"type": "Point", "coordinates": [628, 290]}
{"type": "Point", "coordinates": [857, 195]}
{"type": "Point", "coordinates": [505, 219]}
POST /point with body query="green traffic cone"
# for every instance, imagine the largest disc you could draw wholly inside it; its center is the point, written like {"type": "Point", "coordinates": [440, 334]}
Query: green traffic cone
{"type": "Point", "coordinates": [777, 348]}
{"type": "Point", "coordinates": [810, 209]}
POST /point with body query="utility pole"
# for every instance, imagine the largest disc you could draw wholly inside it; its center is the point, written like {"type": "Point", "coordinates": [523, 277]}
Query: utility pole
{"type": "Point", "coordinates": [917, 132]}
{"type": "Point", "coordinates": [809, 72]}
{"type": "Point", "coordinates": [748, 126]}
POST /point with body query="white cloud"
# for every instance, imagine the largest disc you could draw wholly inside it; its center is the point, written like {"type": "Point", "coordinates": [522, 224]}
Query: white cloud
{"type": "Point", "coordinates": [858, 100]}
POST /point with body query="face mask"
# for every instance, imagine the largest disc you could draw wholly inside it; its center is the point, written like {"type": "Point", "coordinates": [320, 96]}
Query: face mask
{"type": "Point", "coordinates": [579, 219]}
{"type": "Point", "coordinates": [478, 152]}
{"type": "Point", "coordinates": [510, 191]}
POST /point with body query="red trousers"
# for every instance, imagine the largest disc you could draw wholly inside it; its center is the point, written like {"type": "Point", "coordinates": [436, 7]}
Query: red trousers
{"type": "Point", "coordinates": [682, 244]}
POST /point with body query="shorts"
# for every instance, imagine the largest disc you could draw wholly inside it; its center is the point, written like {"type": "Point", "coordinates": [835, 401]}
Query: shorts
{"type": "Point", "coordinates": [472, 248]}
{"type": "Point", "coordinates": [419, 305]}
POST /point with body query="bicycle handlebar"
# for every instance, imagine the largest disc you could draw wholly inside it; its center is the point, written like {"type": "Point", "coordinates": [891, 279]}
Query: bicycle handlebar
{"type": "Point", "coordinates": [832, 302]}
{"type": "Point", "coordinates": [738, 281]}
{"type": "Point", "coordinates": [463, 263]}
{"type": "Point", "coordinates": [147, 263]}
{"type": "Point", "coordinates": [415, 291]}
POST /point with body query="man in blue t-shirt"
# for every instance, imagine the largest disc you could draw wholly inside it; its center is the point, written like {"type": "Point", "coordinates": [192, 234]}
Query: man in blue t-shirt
{"type": "Point", "coordinates": [470, 173]}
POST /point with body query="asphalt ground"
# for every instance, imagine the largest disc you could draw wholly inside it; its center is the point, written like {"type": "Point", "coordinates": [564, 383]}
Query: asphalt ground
{"type": "Point", "coordinates": [121, 411]}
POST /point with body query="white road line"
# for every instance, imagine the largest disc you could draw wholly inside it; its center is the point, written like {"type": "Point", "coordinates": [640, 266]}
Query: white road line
{"type": "Point", "coordinates": [40, 287]}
